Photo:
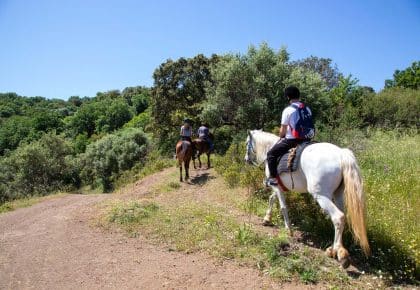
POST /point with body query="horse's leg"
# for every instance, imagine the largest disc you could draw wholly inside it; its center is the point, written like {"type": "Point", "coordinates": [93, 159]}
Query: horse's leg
{"type": "Point", "coordinates": [187, 167]}
{"type": "Point", "coordinates": [338, 220]}
{"type": "Point", "coordinates": [180, 171]}
{"type": "Point", "coordinates": [339, 197]}
{"type": "Point", "coordinates": [283, 207]}
{"type": "Point", "coordinates": [208, 160]}
{"type": "Point", "coordinates": [199, 160]}
{"type": "Point", "coordinates": [268, 213]}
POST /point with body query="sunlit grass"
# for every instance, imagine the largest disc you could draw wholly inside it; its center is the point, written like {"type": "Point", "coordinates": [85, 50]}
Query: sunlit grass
{"type": "Point", "coordinates": [26, 202]}
{"type": "Point", "coordinates": [189, 227]}
{"type": "Point", "coordinates": [390, 164]}
{"type": "Point", "coordinates": [391, 171]}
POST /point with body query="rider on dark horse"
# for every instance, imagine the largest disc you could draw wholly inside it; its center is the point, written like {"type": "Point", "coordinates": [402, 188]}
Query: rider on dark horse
{"type": "Point", "coordinates": [204, 134]}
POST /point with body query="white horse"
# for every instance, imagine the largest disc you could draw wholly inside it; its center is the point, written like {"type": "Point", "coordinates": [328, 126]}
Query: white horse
{"type": "Point", "coordinates": [331, 175]}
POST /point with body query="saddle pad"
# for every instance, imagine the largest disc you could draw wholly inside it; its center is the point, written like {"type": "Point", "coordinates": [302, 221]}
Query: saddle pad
{"type": "Point", "coordinates": [282, 165]}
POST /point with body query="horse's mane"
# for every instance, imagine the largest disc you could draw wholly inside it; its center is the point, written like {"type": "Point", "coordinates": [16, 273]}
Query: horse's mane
{"type": "Point", "coordinates": [263, 142]}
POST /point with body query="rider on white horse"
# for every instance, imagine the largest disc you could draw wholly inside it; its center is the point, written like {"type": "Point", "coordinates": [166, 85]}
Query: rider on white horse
{"type": "Point", "coordinates": [296, 127]}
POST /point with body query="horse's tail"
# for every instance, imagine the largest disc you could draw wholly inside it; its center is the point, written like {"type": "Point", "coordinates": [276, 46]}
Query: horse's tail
{"type": "Point", "coordinates": [354, 199]}
{"type": "Point", "coordinates": [182, 150]}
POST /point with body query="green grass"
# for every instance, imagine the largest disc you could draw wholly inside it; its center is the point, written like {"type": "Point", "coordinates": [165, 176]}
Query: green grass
{"type": "Point", "coordinates": [155, 162]}
{"type": "Point", "coordinates": [391, 170]}
{"type": "Point", "coordinates": [195, 227]}
{"type": "Point", "coordinates": [25, 202]}
{"type": "Point", "coordinates": [390, 165]}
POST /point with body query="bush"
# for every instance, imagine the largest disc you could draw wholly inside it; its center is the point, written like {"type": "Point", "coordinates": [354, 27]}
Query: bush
{"type": "Point", "coordinates": [107, 158]}
{"type": "Point", "coordinates": [393, 108]}
{"type": "Point", "coordinates": [389, 164]}
{"type": "Point", "coordinates": [37, 168]}
{"type": "Point", "coordinates": [142, 121]}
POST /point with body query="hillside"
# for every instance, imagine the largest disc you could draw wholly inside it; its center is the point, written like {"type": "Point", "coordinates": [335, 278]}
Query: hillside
{"type": "Point", "coordinates": [71, 242]}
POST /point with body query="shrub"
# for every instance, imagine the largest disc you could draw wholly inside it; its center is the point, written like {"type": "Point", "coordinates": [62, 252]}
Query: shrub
{"type": "Point", "coordinates": [392, 108]}
{"type": "Point", "coordinates": [107, 158]}
{"type": "Point", "coordinates": [37, 168]}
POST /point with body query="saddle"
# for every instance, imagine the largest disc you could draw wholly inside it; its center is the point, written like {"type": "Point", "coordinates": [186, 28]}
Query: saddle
{"type": "Point", "coordinates": [289, 162]}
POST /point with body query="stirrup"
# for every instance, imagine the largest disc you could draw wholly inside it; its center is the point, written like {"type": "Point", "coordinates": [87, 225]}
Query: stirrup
{"type": "Point", "coordinates": [271, 181]}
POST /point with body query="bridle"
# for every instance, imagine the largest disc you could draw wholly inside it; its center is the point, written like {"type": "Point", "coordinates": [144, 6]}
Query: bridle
{"type": "Point", "coordinates": [250, 148]}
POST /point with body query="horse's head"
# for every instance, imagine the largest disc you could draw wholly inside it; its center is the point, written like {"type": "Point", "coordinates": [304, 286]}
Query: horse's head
{"type": "Point", "coordinates": [250, 155]}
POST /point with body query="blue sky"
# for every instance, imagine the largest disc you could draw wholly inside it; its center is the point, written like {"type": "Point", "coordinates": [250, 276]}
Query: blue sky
{"type": "Point", "coordinates": [57, 49]}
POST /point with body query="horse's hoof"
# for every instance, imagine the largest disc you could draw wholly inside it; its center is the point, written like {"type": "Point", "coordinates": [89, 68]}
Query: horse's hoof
{"type": "Point", "coordinates": [330, 252]}
{"type": "Point", "coordinates": [343, 257]}
{"type": "Point", "coordinates": [345, 263]}
{"type": "Point", "coordinates": [267, 223]}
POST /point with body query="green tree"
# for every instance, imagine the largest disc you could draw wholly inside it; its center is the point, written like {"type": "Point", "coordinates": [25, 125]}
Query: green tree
{"type": "Point", "coordinates": [408, 78]}
{"type": "Point", "coordinates": [179, 88]}
{"type": "Point", "coordinates": [248, 89]}
{"type": "Point", "coordinates": [46, 120]}
{"type": "Point", "coordinates": [13, 131]}
{"type": "Point", "coordinates": [83, 121]}
{"type": "Point", "coordinates": [137, 97]}
{"type": "Point", "coordinates": [113, 115]}
{"type": "Point", "coordinates": [392, 108]}
{"type": "Point", "coordinates": [322, 66]}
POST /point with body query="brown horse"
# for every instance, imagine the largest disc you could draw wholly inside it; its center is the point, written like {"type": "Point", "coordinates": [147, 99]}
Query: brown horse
{"type": "Point", "coordinates": [201, 146]}
{"type": "Point", "coordinates": [184, 153]}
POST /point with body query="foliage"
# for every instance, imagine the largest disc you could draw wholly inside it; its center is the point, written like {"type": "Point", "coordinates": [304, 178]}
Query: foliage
{"type": "Point", "coordinates": [392, 108]}
{"type": "Point", "coordinates": [83, 121]}
{"type": "Point", "coordinates": [389, 164]}
{"type": "Point", "coordinates": [390, 167]}
{"type": "Point", "coordinates": [142, 120]}
{"type": "Point", "coordinates": [13, 131]}
{"type": "Point", "coordinates": [408, 78]}
{"type": "Point", "coordinates": [37, 169]}
{"type": "Point", "coordinates": [137, 97]}
{"type": "Point", "coordinates": [113, 115]}
{"type": "Point", "coordinates": [108, 157]}
{"type": "Point", "coordinates": [177, 93]}
{"type": "Point", "coordinates": [324, 67]}
{"type": "Point", "coordinates": [248, 89]}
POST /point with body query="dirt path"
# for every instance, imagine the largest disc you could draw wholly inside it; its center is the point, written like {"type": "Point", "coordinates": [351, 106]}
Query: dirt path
{"type": "Point", "coordinates": [52, 245]}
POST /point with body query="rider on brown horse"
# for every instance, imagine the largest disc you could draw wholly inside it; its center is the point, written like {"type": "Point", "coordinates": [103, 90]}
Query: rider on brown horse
{"type": "Point", "coordinates": [186, 131]}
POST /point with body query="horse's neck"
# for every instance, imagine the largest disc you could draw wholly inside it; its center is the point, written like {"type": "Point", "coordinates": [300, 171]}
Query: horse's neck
{"type": "Point", "coordinates": [263, 145]}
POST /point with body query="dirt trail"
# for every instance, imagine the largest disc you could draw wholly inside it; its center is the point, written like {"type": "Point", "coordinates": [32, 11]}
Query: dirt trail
{"type": "Point", "coordinates": [52, 245]}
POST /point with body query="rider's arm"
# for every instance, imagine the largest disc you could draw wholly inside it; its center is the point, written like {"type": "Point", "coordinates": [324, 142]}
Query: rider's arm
{"type": "Point", "coordinates": [282, 131]}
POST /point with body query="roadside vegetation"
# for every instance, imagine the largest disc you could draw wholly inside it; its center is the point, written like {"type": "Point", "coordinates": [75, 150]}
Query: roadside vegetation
{"type": "Point", "coordinates": [116, 137]}
{"type": "Point", "coordinates": [389, 164]}
{"type": "Point", "coordinates": [180, 220]}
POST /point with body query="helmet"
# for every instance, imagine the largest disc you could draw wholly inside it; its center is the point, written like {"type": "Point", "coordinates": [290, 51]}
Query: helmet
{"type": "Point", "coordinates": [291, 92]}
{"type": "Point", "coordinates": [188, 121]}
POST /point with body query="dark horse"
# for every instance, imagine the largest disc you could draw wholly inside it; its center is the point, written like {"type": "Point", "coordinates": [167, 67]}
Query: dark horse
{"type": "Point", "coordinates": [184, 153]}
{"type": "Point", "coordinates": [202, 146]}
